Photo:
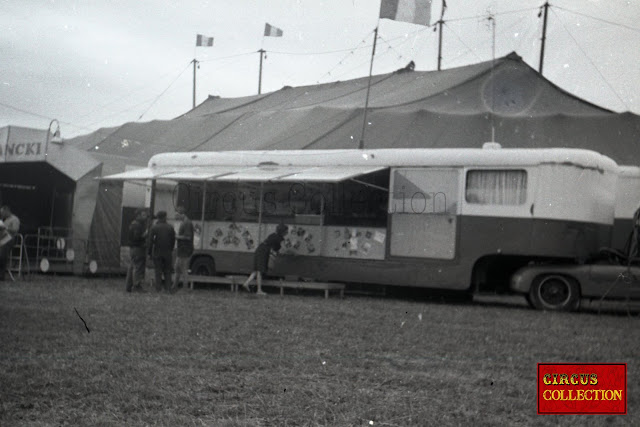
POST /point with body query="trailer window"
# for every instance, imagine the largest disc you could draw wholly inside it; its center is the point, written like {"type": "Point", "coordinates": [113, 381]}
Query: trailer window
{"type": "Point", "coordinates": [496, 187]}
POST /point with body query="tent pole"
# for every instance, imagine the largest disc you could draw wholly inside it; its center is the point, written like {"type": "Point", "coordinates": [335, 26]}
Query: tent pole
{"type": "Point", "coordinates": [366, 102]}
{"type": "Point", "coordinates": [204, 208]}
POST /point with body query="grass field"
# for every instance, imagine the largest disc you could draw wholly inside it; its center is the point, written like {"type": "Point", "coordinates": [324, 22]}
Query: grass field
{"type": "Point", "coordinates": [211, 357]}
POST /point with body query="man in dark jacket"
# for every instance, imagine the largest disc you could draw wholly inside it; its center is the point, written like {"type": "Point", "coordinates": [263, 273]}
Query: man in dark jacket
{"type": "Point", "coordinates": [162, 238]}
{"type": "Point", "coordinates": [137, 251]}
{"type": "Point", "coordinates": [184, 246]}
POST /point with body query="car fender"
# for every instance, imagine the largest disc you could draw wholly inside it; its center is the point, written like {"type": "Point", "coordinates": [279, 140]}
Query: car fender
{"type": "Point", "coordinates": [522, 279]}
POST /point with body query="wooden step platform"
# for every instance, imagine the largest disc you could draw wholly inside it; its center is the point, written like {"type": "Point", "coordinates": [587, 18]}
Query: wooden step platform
{"type": "Point", "coordinates": [323, 286]}
{"type": "Point", "coordinates": [234, 281]}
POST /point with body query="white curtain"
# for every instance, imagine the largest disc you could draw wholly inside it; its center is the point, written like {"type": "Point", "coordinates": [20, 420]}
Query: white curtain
{"type": "Point", "coordinates": [496, 187]}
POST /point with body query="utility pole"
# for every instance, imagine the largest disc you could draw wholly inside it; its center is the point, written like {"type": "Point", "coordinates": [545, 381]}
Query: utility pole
{"type": "Point", "coordinates": [261, 52]}
{"type": "Point", "coordinates": [195, 63]}
{"type": "Point", "coordinates": [544, 34]}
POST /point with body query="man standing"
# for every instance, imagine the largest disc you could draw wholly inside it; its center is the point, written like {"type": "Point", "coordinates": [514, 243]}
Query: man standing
{"type": "Point", "coordinates": [185, 246]}
{"type": "Point", "coordinates": [11, 221]}
{"type": "Point", "coordinates": [162, 238]}
{"type": "Point", "coordinates": [137, 251]}
{"type": "Point", "coordinates": [8, 231]}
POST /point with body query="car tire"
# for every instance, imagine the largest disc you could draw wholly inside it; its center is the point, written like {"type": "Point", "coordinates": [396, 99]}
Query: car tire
{"type": "Point", "coordinates": [203, 266]}
{"type": "Point", "coordinates": [555, 292]}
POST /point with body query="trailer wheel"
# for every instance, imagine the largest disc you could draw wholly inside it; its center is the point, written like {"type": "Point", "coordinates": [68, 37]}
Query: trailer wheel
{"type": "Point", "coordinates": [555, 292]}
{"type": "Point", "coordinates": [203, 266]}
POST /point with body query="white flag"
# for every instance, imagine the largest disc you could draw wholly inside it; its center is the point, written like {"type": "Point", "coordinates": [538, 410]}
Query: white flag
{"type": "Point", "coordinates": [414, 11]}
{"type": "Point", "coordinates": [204, 41]}
{"type": "Point", "coordinates": [271, 31]}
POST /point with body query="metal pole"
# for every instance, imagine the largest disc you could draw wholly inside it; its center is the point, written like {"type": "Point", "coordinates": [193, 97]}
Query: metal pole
{"type": "Point", "coordinates": [321, 223]}
{"type": "Point", "coordinates": [440, 23]}
{"type": "Point", "coordinates": [492, 20]}
{"type": "Point", "coordinates": [366, 102]}
{"type": "Point", "coordinates": [260, 214]}
{"type": "Point", "coordinates": [544, 36]}
{"type": "Point", "coordinates": [204, 208]}
{"type": "Point", "coordinates": [440, 45]}
{"type": "Point", "coordinates": [152, 203]}
{"type": "Point", "coordinates": [261, 52]}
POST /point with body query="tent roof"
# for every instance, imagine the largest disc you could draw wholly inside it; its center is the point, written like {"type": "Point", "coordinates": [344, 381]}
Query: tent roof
{"type": "Point", "coordinates": [459, 107]}
{"type": "Point", "coordinates": [70, 161]}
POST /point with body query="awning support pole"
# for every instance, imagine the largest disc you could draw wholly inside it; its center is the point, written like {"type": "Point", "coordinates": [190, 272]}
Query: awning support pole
{"type": "Point", "coordinates": [321, 224]}
{"type": "Point", "coordinates": [260, 214]}
{"type": "Point", "coordinates": [204, 208]}
{"type": "Point", "coordinates": [152, 203]}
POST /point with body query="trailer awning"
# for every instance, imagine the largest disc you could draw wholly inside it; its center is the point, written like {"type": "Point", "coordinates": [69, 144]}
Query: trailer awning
{"type": "Point", "coordinates": [134, 175]}
{"type": "Point", "coordinates": [254, 174]}
{"type": "Point", "coordinates": [331, 173]}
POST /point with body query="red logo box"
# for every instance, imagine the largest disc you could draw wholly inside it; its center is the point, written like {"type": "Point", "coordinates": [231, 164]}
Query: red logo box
{"type": "Point", "coordinates": [582, 388]}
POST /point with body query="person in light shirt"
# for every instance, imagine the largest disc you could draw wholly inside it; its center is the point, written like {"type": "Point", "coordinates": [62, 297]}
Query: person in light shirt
{"type": "Point", "coordinates": [11, 221]}
{"type": "Point", "coordinates": [9, 228]}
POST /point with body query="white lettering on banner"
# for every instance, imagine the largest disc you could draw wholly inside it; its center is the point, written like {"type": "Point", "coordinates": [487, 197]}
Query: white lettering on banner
{"type": "Point", "coordinates": [22, 152]}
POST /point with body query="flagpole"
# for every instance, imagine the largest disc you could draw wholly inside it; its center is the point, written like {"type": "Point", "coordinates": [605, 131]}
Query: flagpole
{"type": "Point", "coordinates": [544, 36]}
{"type": "Point", "coordinates": [440, 24]}
{"type": "Point", "coordinates": [366, 102]}
{"type": "Point", "coordinates": [195, 62]}
{"type": "Point", "coordinates": [261, 52]}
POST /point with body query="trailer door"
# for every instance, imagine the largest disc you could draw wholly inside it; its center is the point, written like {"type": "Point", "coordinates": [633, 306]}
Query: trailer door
{"type": "Point", "coordinates": [423, 212]}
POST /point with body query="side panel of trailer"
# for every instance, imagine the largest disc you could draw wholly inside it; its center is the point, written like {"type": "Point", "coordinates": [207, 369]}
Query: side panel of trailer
{"type": "Point", "coordinates": [440, 223]}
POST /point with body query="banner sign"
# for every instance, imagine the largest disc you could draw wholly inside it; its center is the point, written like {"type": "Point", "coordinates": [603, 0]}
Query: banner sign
{"type": "Point", "coordinates": [582, 388]}
{"type": "Point", "coordinates": [30, 146]}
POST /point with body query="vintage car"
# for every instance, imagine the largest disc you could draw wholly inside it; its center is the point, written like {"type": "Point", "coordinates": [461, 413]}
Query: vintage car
{"type": "Point", "coordinates": [559, 287]}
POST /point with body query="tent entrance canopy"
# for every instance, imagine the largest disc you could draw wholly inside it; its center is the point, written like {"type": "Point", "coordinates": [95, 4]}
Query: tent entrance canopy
{"type": "Point", "coordinates": [263, 173]}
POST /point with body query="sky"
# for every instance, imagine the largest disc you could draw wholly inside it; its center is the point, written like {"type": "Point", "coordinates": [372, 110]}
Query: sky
{"type": "Point", "coordinates": [100, 63]}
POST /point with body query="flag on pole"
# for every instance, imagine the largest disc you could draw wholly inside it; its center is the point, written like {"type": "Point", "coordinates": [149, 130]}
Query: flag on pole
{"type": "Point", "coordinates": [414, 11]}
{"type": "Point", "coordinates": [271, 31]}
{"type": "Point", "coordinates": [204, 41]}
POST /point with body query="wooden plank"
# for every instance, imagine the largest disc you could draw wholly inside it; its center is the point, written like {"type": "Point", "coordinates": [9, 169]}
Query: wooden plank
{"type": "Point", "coordinates": [234, 281]}
{"type": "Point", "coordinates": [321, 286]}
